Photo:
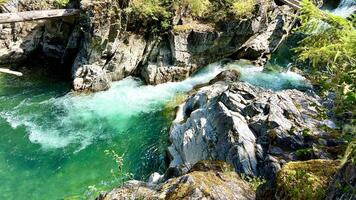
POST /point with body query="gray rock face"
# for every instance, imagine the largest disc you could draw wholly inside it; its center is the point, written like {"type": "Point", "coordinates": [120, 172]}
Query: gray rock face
{"type": "Point", "coordinates": [254, 129]}
{"type": "Point", "coordinates": [280, 23]}
{"type": "Point", "coordinates": [102, 37]}
{"type": "Point", "coordinates": [16, 48]}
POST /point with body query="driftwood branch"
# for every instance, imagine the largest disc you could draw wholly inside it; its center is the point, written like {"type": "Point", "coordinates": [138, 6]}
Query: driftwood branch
{"type": "Point", "coordinates": [8, 71]}
{"type": "Point", "coordinates": [36, 15]}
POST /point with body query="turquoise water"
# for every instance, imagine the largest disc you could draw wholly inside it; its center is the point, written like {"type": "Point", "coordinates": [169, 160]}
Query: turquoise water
{"type": "Point", "coordinates": [53, 142]}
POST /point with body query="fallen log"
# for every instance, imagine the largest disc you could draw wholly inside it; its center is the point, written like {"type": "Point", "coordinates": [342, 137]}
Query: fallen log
{"type": "Point", "coordinates": [37, 15]}
{"type": "Point", "coordinates": [8, 71]}
{"type": "Point", "coordinates": [292, 3]}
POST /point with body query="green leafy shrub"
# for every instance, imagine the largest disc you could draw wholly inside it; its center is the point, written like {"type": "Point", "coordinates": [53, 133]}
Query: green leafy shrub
{"type": "Point", "coordinates": [152, 15]}
{"type": "Point", "coordinates": [231, 9]}
{"type": "Point", "coordinates": [329, 45]}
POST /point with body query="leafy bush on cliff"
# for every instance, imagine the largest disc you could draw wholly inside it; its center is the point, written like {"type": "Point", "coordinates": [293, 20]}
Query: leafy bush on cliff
{"type": "Point", "coordinates": [330, 48]}
{"type": "Point", "coordinates": [155, 16]}
{"type": "Point", "coordinates": [152, 15]}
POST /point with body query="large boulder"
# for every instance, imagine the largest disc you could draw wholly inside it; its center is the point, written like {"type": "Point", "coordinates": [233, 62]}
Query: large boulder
{"type": "Point", "coordinates": [254, 129]}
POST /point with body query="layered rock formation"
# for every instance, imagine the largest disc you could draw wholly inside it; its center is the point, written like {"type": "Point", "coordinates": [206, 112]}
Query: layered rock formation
{"type": "Point", "coordinates": [254, 129]}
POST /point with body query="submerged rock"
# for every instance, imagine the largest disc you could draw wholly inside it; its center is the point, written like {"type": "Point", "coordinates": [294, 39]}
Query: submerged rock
{"type": "Point", "coordinates": [256, 130]}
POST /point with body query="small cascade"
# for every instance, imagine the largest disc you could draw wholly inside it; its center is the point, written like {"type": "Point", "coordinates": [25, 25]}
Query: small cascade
{"type": "Point", "coordinates": [345, 9]}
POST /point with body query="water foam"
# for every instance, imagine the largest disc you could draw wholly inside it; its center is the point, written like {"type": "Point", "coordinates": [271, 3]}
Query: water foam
{"type": "Point", "coordinates": [78, 121]}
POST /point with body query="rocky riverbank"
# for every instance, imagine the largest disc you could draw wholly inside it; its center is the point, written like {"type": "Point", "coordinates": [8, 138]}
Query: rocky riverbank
{"type": "Point", "coordinates": [228, 134]}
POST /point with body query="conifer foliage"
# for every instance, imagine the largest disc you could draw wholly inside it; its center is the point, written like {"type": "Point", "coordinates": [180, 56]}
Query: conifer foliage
{"type": "Point", "coordinates": [329, 46]}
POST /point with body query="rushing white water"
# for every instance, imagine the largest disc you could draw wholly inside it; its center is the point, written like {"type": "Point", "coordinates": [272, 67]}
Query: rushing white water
{"type": "Point", "coordinates": [82, 120]}
{"type": "Point", "coordinates": [345, 8]}
{"type": "Point", "coordinates": [271, 80]}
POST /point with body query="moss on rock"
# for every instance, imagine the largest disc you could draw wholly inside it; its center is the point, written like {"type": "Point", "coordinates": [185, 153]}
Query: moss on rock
{"type": "Point", "coordinates": [305, 179]}
{"type": "Point", "coordinates": [208, 184]}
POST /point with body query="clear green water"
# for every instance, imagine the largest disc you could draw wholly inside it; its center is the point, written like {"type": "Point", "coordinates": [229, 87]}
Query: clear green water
{"type": "Point", "coordinates": [52, 142]}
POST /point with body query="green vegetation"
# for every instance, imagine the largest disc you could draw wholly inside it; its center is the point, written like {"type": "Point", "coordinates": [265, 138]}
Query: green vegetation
{"type": "Point", "coordinates": [254, 182]}
{"type": "Point", "coordinates": [231, 9]}
{"type": "Point", "coordinates": [305, 179]}
{"type": "Point", "coordinates": [152, 15]}
{"type": "Point", "coordinates": [119, 174]}
{"type": "Point", "coordinates": [304, 154]}
{"type": "Point", "coordinates": [3, 1]}
{"type": "Point", "coordinates": [329, 46]}
{"type": "Point", "coordinates": [243, 8]}
{"type": "Point", "coordinates": [156, 16]}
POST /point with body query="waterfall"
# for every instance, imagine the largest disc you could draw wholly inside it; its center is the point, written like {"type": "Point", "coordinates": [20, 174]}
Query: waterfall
{"type": "Point", "coordinates": [345, 8]}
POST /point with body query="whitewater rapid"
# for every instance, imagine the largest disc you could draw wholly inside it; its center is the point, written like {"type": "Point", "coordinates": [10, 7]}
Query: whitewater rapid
{"type": "Point", "coordinates": [80, 120]}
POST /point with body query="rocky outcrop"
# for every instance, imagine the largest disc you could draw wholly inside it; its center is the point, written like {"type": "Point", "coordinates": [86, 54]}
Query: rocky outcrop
{"type": "Point", "coordinates": [280, 23]}
{"type": "Point", "coordinates": [200, 183]}
{"type": "Point", "coordinates": [254, 129]}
